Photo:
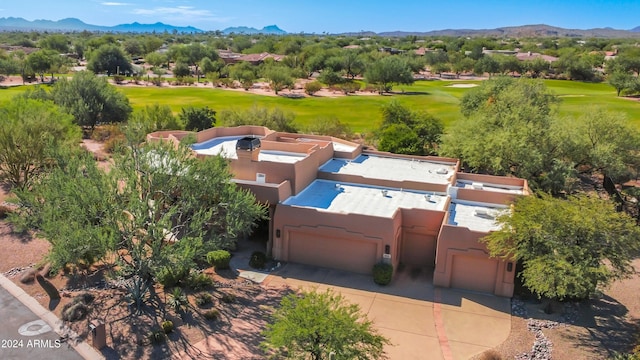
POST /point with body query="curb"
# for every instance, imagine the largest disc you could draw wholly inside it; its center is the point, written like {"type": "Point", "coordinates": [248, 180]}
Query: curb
{"type": "Point", "coordinates": [83, 348]}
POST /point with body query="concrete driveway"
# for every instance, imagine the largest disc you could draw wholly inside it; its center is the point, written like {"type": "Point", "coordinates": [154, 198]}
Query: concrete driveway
{"type": "Point", "coordinates": [420, 320]}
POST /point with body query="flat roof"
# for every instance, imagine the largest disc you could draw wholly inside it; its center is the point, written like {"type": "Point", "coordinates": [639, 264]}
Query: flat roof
{"type": "Point", "coordinates": [479, 185]}
{"type": "Point", "coordinates": [225, 146]}
{"type": "Point", "coordinates": [349, 198]}
{"type": "Point", "coordinates": [475, 216]}
{"type": "Point", "coordinates": [392, 168]}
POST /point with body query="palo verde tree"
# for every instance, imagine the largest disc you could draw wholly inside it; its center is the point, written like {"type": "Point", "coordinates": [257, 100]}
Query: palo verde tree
{"type": "Point", "coordinates": [322, 326]}
{"type": "Point", "coordinates": [510, 129]}
{"type": "Point", "coordinates": [91, 100]}
{"type": "Point", "coordinates": [564, 256]}
{"type": "Point", "coordinates": [30, 132]}
{"type": "Point", "coordinates": [157, 211]}
{"type": "Point", "coordinates": [388, 71]}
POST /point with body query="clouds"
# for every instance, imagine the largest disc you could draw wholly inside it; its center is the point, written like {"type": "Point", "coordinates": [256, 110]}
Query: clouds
{"type": "Point", "coordinates": [115, 4]}
{"type": "Point", "coordinates": [181, 13]}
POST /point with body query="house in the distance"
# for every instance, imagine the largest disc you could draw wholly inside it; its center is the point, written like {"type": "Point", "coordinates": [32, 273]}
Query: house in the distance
{"type": "Point", "coordinates": [334, 204]}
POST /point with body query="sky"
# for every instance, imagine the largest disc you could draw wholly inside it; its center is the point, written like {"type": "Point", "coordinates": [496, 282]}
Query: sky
{"type": "Point", "coordinates": [337, 16]}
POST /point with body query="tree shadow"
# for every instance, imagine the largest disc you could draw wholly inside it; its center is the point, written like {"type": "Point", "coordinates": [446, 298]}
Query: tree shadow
{"type": "Point", "coordinates": [409, 93]}
{"type": "Point", "coordinates": [607, 326]}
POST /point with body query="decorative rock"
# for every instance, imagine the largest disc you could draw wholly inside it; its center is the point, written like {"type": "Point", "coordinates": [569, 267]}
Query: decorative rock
{"type": "Point", "coordinates": [28, 276]}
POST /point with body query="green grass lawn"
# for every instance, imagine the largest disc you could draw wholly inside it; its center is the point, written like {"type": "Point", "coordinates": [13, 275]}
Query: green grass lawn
{"type": "Point", "coordinates": [362, 113]}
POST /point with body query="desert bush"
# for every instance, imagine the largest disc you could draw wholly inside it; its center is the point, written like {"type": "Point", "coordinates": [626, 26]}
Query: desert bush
{"type": "Point", "coordinates": [349, 87]}
{"type": "Point", "coordinates": [104, 132]}
{"type": "Point", "coordinates": [212, 314]}
{"type": "Point", "coordinates": [258, 260]}
{"type": "Point", "coordinates": [78, 308]}
{"type": "Point", "coordinates": [167, 326]}
{"type": "Point", "coordinates": [199, 281]}
{"type": "Point", "coordinates": [169, 276]}
{"type": "Point", "coordinates": [312, 87]}
{"type": "Point", "coordinates": [157, 81]}
{"type": "Point", "coordinates": [118, 79]}
{"type": "Point", "coordinates": [382, 273]}
{"type": "Point", "coordinates": [228, 298]}
{"type": "Point", "coordinates": [156, 337]}
{"type": "Point", "coordinates": [177, 300]}
{"type": "Point", "coordinates": [219, 259]}
{"type": "Point", "coordinates": [204, 299]}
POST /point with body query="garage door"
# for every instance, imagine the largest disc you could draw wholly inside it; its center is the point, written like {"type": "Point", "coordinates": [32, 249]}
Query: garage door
{"type": "Point", "coordinates": [474, 273]}
{"type": "Point", "coordinates": [335, 253]}
{"type": "Point", "coordinates": [418, 250]}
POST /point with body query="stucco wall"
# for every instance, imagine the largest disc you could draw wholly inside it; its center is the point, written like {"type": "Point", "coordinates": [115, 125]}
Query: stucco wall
{"type": "Point", "coordinates": [460, 241]}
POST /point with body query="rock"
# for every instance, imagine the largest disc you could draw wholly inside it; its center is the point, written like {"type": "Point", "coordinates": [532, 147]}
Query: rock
{"type": "Point", "coordinates": [28, 276]}
{"type": "Point", "coordinates": [46, 271]}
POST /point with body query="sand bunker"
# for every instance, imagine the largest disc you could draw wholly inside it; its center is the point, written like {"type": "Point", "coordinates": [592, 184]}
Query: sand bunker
{"type": "Point", "coordinates": [463, 85]}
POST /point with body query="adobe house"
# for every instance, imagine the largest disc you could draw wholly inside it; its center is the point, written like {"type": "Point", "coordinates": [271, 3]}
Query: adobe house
{"type": "Point", "coordinates": [334, 204]}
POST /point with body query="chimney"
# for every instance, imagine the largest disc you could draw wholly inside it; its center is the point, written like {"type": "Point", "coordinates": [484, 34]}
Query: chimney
{"type": "Point", "coordinates": [248, 148]}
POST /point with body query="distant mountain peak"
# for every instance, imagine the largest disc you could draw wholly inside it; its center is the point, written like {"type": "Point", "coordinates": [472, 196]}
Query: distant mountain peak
{"type": "Point", "coordinates": [270, 29]}
{"type": "Point", "coordinates": [73, 24]}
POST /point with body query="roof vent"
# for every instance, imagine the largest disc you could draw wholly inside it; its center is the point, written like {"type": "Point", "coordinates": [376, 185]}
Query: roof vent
{"type": "Point", "coordinates": [248, 143]}
{"type": "Point", "coordinates": [385, 193]}
{"type": "Point", "coordinates": [431, 198]}
{"type": "Point", "coordinates": [339, 187]}
{"type": "Point", "coordinates": [442, 171]}
{"type": "Point", "coordinates": [477, 186]}
{"type": "Point", "coordinates": [483, 213]}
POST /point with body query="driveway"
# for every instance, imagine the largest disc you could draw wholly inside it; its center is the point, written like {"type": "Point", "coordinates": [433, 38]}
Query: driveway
{"type": "Point", "coordinates": [420, 320]}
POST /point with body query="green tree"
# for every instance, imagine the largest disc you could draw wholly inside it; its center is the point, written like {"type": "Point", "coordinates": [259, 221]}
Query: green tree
{"type": "Point", "coordinates": [30, 132]}
{"type": "Point", "coordinates": [516, 121]}
{"type": "Point", "coordinates": [621, 80]}
{"type": "Point", "coordinates": [56, 42]}
{"type": "Point", "coordinates": [603, 142]}
{"type": "Point", "coordinates": [43, 61]}
{"type": "Point", "coordinates": [404, 131]}
{"type": "Point", "coordinates": [153, 212]}
{"type": "Point", "coordinates": [91, 100]}
{"type": "Point", "coordinates": [330, 126]}
{"type": "Point", "coordinates": [155, 59]}
{"type": "Point", "coordinates": [487, 64]}
{"type": "Point", "coordinates": [274, 119]}
{"type": "Point", "coordinates": [564, 256]}
{"type": "Point", "coordinates": [111, 59]}
{"type": "Point", "coordinates": [153, 118]}
{"type": "Point", "coordinates": [388, 71]}
{"type": "Point", "coordinates": [181, 70]}
{"type": "Point", "coordinates": [315, 325]}
{"type": "Point", "coordinates": [279, 77]}
{"type": "Point", "coordinates": [198, 118]}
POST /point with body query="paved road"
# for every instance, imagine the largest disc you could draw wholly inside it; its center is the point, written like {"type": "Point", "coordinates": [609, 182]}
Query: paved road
{"type": "Point", "coordinates": [23, 335]}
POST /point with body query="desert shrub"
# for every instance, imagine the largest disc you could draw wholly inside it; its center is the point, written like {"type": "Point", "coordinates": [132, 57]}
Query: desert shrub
{"type": "Point", "coordinates": [312, 87]}
{"type": "Point", "coordinates": [199, 281]}
{"type": "Point", "coordinates": [204, 299]}
{"type": "Point", "coordinates": [169, 276]}
{"type": "Point", "coordinates": [157, 81]}
{"type": "Point", "coordinates": [212, 314]}
{"type": "Point", "coordinates": [156, 337]}
{"type": "Point", "coordinates": [349, 87]}
{"type": "Point", "coordinates": [490, 355]}
{"type": "Point", "coordinates": [228, 298]}
{"type": "Point", "coordinates": [382, 273]}
{"type": "Point", "coordinates": [118, 79]}
{"type": "Point", "coordinates": [74, 311]}
{"type": "Point", "coordinates": [104, 132]}
{"type": "Point", "coordinates": [167, 326]}
{"type": "Point", "coordinates": [219, 259]}
{"type": "Point", "coordinates": [258, 260]}
{"type": "Point", "coordinates": [177, 300]}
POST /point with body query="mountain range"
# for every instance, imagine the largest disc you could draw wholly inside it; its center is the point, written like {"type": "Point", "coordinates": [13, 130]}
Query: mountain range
{"type": "Point", "coordinates": [72, 24]}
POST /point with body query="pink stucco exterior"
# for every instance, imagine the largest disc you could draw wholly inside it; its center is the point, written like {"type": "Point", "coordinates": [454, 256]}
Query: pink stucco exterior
{"type": "Point", "coordinates": [330, 206]}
